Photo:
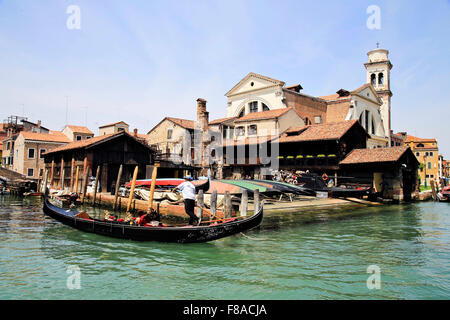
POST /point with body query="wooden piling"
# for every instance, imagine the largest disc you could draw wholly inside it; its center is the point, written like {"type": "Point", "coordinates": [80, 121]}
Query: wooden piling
{"type": "Point", "coordinates": [52, 173]}
{"type": "Point", "coordinates": [213, 205]}
{"type": "Point", "coordinates": [85, 181]}
{"type": "Point", "coordinates": [227, 209]}
{"type": "Point", "coordinates": [96, 184]}
{"type": "Point", "coordinates": [45, 182]}
{"type": "Point", "coordinates": [433, 190]}
{"type": "Point", "coordinates": [85, 166]}
{"type": "Point", "coordinates": [152, 188]}
{"type": "Point", "coordinates": [61, 173]}
{"type": "Point", "coordinates": [133, 184]}
{"type": "Point", "coordinates": [256, 202]}
{"type": "Point", "coordinates": [200, 204]}
{"type": "Point", "coordinates": [72, 172]}
{"type": "Point", "coordinates": [244, 203]}
{"type": "Point", "coordinates": [116, 194]}
{"type": "Point", "coordinates": [76, 179]}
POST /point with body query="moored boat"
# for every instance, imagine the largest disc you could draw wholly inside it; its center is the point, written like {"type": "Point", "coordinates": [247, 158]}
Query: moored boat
{"type": "Point", "coordinates": [289, 188]}
{"type": "Point", "coordinates": [251, 187]}
{"type": "Point", "coordinates": [444, 195]}
{"type": "Point", "coordinates": [181, 234]}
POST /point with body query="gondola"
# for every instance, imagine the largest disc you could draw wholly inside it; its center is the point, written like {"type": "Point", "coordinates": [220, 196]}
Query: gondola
{"type": "Point", "coordinates": [184, 234]}
{"type": "Point", "coordinates": [316, 183]}
{"type": "Point", "coordinates": [290, 188]}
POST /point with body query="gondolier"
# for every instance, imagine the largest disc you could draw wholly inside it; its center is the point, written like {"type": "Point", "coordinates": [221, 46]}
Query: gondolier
{"type": "Point", "coordinates": [187, 189]}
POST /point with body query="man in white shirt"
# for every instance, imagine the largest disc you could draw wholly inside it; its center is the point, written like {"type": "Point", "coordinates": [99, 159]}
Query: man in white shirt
{"type": "Point", "coordinates": [187, 189]}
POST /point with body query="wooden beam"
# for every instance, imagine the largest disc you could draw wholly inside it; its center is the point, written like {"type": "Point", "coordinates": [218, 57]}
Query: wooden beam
{"type": "Point", "coordinates": [116, 193]}
{"type": "Point", "coordinates": [133, 184]}
{"type": "Point", "coordinates": [244, 203]}
{"type": "Point", "coordinates": [152, 188]}
{"type": "Point", "coordinates": [213, 205]}
{"type": "Point", "coordinates": [96, 184]}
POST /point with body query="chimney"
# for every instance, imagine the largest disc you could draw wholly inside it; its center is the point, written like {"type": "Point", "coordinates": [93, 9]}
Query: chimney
{"type": "Point", "coordinates": [202, 114]}
{"type": "Point", "coordinates": [39, 124]}
{"type": "Point", "coordinates": [135, 131]}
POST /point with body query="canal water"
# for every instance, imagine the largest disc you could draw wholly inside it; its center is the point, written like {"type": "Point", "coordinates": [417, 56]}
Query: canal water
{"type": "Point", "coordinates": [321, 254]}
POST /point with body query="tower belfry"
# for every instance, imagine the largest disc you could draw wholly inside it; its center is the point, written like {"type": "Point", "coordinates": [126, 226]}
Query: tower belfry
{"type": "Point", "coordinates": [378, 71]}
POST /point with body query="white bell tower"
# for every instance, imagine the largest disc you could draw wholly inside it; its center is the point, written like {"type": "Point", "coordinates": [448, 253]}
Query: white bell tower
{"type": "Point", "coordinates": [379, 75]}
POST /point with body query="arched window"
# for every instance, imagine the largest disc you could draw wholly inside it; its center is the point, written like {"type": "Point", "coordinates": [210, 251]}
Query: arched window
{"type": "Point", "coordinates": [307, 121]}
{"type": "Point", "coordinates": [241, 114]}
{"type": "Point", "coordinates": [373, 125]}
{"type": "Point", "coordinates": [253, 106]}
{"type": "Point", "coordinates": [373, 79]}
{"type": "Point", "coordinates": [367, 121]}
{"type": "Point", "coordinates": [381, 78]}
{"type": "Point", "coordinates": [361, 119]}
{"type": "Point", "coordinates": [264, 107]}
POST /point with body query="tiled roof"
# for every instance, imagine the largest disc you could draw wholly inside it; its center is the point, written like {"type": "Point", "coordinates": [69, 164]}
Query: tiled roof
{"type": "Point", "coordinates": [269, 114]}
{"type": "Point", "coordinates": [410, 138]}
{"type": "Point", "coordinates": [112, 124]}
{"type": "Point", "coordinates": [337, 110]}
{"type": "Point", "coordinates": [188, 124]}
{"type": "Point", "coordinates": [324, 131]}
{"type": "Point", "coordinates": [88, 142]}
{"type": "Point", "coordinates": [79, 129]}
{"type": "Point", "coordinates": [221, 120]}
{"type": "Point", "coordinates": [333, 97]}
{"type": "Point", "coordinates": [391, 154]}
{"type": "Point", "coordinates": [83, 143]}
{"type": "Point", "coordinates": [52, 136]}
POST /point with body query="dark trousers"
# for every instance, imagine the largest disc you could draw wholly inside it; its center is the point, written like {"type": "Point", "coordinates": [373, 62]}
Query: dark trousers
{"type": "Point", "coordinates": [189, 205]}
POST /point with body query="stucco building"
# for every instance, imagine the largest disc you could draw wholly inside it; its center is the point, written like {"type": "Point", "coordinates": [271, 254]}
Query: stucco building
{"type": "Point", "coordinates": [427, 153]}
{"type": "Point", "coordinates": [29, 148]}
{"type": "Point", "coordinates": [77, 133]}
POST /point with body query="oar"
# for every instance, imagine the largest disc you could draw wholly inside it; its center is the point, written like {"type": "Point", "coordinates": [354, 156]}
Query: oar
{"type": "Point", "coordinates": [133, 184]}
{"type": "Point", "coordinates": [152, 188]}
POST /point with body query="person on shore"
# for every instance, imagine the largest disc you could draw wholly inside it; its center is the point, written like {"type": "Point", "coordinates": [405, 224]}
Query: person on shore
{"type": "Point", "coordinates": [187, 189]}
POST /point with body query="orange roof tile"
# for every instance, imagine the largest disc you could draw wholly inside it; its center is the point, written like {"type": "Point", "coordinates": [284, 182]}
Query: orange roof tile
{"type": "Point", "coordinates": [52, 136]}
{"type": "Point", "coordinates": [188, 124]}
{"type": "Point", "coordinates": [79, 129]}
{"type": "Point", "coordinates": [391, 154]}
{"type": "Point", "coordinates": [111, 124]}
{"type": "Point", "coordinates": [221, 120]}
{"type": "Point", "coordinates": [269, 114]}
{"type": "Point", "coordinates": [88, 142]}
{"type": "Point", "coordinates": [83, 143]}
{"type": "Point", "coordinates": [410, 138]}
{"type": "Point", "coordinates": [324, 131]}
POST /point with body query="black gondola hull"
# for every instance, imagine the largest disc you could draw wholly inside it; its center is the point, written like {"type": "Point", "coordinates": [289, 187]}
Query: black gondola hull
{"type": "Point", "coordinates": [186, 234]}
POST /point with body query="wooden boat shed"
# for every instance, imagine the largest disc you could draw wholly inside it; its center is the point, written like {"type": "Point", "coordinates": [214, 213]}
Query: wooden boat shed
{"type": "Point", "coordinates": [108, 151]}
{"type": "Point", "coordinates": [393, 171]}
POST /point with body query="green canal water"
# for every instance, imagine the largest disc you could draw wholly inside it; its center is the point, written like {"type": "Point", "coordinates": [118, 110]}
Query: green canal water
{"type": "Point", "coordinates": [321, 254]}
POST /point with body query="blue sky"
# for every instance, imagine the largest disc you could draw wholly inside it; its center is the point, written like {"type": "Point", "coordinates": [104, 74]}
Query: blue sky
{"type": "Point", "coordinates": [139, 61]}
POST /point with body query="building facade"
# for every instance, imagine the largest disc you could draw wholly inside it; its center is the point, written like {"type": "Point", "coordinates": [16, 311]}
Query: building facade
{"type": "Point", "coordinates": [77, 133]}
{"type": "Point", "coordinates": [113, 128]}
{"type": "Point", "coordinates": [427, 153]}
{"type": "Point", "coordinates": [29, 149]}
{"type": "Point", "coordinates": [370, 103]}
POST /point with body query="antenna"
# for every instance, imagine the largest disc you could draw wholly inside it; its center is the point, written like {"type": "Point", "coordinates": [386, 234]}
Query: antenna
{"type": "Point", "coordinates": [67, 108]}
